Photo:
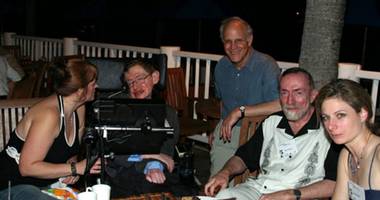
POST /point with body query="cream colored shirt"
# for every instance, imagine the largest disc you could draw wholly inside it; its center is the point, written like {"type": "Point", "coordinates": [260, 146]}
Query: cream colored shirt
{"type": "Point", "coordinates": [7, 73]}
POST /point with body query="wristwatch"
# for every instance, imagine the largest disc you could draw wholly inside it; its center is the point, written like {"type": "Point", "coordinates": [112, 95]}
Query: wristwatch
{"type": "Point", "coordinates": [242, 111]}
{"type": "Point", "coordinates": [297, 193]}
{"type": "Point", "coordinates": [73, 169]}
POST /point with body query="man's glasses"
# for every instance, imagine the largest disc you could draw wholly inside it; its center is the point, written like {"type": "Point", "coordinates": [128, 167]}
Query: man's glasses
{"type": "Point", "coordinates": [238, 42]}
{"type": "Point", "coordinates": [138, 80]}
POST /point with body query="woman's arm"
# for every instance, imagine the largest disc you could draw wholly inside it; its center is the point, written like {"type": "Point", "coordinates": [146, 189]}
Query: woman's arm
{"type": "Point", "coordinates": [43, 129]}
{"type": "Point", "coordinates": [341, 189]}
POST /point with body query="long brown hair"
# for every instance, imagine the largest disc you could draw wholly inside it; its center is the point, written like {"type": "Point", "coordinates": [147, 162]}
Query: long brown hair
{"type": "Point", "coordinates": [71, 75]}
{"type": "Point", "coordinates": [350, 92]}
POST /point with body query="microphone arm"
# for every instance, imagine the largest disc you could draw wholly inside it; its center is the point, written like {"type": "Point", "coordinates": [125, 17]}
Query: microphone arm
{"type": "Point", "coordinates": [118, 92]}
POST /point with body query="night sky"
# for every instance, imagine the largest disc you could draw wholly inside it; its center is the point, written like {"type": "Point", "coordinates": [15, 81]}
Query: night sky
{"type": "Point", "coordinates": [191, 24]}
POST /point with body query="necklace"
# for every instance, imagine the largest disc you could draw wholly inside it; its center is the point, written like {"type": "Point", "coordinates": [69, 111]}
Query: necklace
{"type": "Point", "coordinates": [355, 165]}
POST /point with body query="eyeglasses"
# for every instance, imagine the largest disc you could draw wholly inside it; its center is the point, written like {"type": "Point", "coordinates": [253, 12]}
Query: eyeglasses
{"type": "Point", "coordinates": [138, 80]}
{"type": "Point", "coordinates": [238, 42]}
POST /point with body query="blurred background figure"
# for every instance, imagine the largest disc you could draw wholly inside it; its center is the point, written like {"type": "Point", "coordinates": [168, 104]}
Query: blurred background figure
{"type": "Point", "coordinates": [10, 72]}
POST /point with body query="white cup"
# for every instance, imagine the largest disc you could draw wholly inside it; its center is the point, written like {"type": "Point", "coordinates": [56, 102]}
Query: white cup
{"type": "Point", "coordinates": [87, 195]}
{"type": "Point", "coordinates": [103, 191]}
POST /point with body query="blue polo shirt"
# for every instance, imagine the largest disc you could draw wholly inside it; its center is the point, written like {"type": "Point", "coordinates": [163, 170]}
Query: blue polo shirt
{"type": "Point", "coordinates": [256, 82]}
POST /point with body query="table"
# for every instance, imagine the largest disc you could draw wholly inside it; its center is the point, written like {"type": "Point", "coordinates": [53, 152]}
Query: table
{"type": "Point", "coordinates": [154, 196]}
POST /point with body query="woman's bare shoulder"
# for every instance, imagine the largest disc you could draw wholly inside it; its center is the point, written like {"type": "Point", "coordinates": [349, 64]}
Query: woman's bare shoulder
{"type": "Point", "coordinates": [44, 113]}
{"type": "Point", "coordinates": [45, 108]}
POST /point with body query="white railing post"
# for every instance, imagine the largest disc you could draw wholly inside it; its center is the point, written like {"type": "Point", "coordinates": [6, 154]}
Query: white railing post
{"type": "Point", "coordinates": [8, 38]}
{"type": "Point", "coordinates": [168, 50]}
{"type": "Point", "coordinates": [348, 70]}
{"type": "Point", "coordinates": [69, 46]}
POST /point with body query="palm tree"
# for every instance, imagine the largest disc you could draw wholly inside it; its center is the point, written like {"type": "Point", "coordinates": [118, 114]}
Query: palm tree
{"type": "Point", "coordinates": [321, 37]}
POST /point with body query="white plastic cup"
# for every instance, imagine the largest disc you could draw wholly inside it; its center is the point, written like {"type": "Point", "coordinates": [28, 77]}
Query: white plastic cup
{"type": "Point", "coordinates": [102, 191]}
{"type": "Point", "coordinates": [89, 194]}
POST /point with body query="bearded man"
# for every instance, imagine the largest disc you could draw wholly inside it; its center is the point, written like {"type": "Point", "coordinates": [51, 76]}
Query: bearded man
{"type": "Point", "coordinates": [290, 148]}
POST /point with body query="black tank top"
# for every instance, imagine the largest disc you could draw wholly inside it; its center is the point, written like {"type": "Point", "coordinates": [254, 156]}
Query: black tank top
{"type": "Point", "coordinates": [372, 194]}
{"type": "Point", "coordinates": [59, 152]}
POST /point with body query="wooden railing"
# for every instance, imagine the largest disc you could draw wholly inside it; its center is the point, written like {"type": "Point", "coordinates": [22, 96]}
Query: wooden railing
{"type": "Point", "coordinates": [198, 66]}
{"type": "Point", "coordinates": [94, 49]}
{"type": "Point", "coordinates": [11, 112]}
{"type": "Point", "coordinates": [37, 47]}
{"type": "Point", "coordinates": [197, 69]}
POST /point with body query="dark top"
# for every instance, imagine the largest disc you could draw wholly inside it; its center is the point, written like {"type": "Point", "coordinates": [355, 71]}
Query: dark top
{"type": "Point", "coordinates": [59, 152]}
{"type": "Point", "coordinates": [127, 178]}
{"type": "Point", "coordinates": [371, 194]}
{"type": "Point", "coordinates": [254, 147]}
{"type": "Point", "coordinates": [166, 148]}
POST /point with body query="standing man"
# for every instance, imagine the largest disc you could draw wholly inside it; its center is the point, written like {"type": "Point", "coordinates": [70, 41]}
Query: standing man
{"type": "Point", "coordinates": [290, 148]}
{"type": "Point", "coordinates": [244, 77]}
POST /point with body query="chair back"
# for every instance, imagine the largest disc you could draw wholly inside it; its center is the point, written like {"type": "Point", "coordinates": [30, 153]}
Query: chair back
{"type": "Point", "coordinates": [43, 86]}
{"type": "Point", "coordinates": [25, 87]}
{"type": "Point", "coordinates": [247, 130]}
{"type": "Point", "coordinates": [175, 93]}
{"type": "Point", "coordinates": [11, 112]}
{"type": "Point", "coordinates": [248, 127]}
{"type": "Point", "coordinates": [14, 50]}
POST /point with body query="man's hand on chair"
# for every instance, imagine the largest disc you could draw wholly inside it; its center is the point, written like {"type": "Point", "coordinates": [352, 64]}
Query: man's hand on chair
{"type": "Point", "coordinates": [228, 123]}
